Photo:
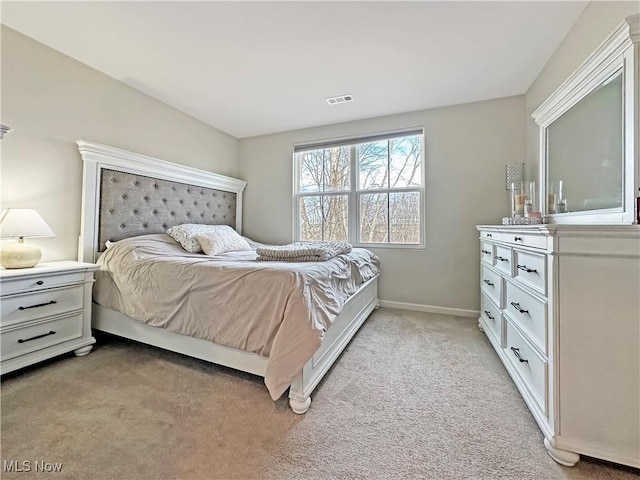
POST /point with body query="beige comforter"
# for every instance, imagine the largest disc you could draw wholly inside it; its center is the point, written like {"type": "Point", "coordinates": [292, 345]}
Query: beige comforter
{"type": "Point", "coordinates": [275, 309]}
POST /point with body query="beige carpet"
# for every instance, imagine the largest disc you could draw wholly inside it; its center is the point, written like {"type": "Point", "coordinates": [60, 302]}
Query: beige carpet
{"type": "Point", "coordinates": [414, 396]}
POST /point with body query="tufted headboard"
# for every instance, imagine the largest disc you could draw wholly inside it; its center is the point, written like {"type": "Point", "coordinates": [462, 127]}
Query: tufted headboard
{"type": "Point", "coordinates": [126, 194]}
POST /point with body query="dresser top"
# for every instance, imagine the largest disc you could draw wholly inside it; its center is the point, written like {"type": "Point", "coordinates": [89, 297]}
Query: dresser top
{"type": "Point", "coordinates": [47, 268]}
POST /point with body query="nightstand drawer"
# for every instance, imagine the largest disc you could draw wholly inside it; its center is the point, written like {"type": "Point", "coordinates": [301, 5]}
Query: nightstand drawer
{"type": "Point", "coordinates": [22, 308]}
{"type": "Point", "coordinates": [24, 339]}
{"type": "Point", "coordinates": [529, 312]}
{"type": "Point", "coordinates": [530, 366]}
{"type": "Point", "coordinates": [38, 282]}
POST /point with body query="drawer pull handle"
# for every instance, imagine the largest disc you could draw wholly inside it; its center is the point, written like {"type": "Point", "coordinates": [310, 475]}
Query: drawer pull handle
{"type": "Point", "coordinates": [488, 282]}
{"type": "Point", "coordinates": [497, 257]}
{"type": "Point", "coordinates": [489, 235]}
{"type": "Point", "coordinates": [52, 302]}
{"type": "Point", "coordinates": [517, 307]}
{"type": "Point", "coordinates": [516, 352]}
{"type": "Point", "coordinates": [40, 282]}
{"type": "Point", "coordinates": [37, 337]}
{"type": "Point", "coordinates": [517, 239]}
{"type": "Point", "coordinates": [525, 269]}
{"type": "Point", "coordinates": [485, 251]}
{"type": "Point", "coordinates": [489, 315]}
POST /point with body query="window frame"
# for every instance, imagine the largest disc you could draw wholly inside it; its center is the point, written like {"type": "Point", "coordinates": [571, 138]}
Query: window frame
{"type": "Point", "coordinates": [354, 193]}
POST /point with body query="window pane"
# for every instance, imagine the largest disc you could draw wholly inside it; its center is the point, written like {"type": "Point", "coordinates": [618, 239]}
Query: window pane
{"type": "Point", "coordinates": [405, 162]}
{"type": "Point", "coordinates": [374, 209]}
{"type": "Point", "coordinates": [310, 218]}
{"type": "Point", "coordinates": [404, 212]}
{"type": "Point", "coordinates": [373, 162]}
{"type": "Point", "coordinates": [336, 218]}
{"type": "Point", "coordinates": [311, 164]}
{"type": "Point", "coordinates": [337, 168]}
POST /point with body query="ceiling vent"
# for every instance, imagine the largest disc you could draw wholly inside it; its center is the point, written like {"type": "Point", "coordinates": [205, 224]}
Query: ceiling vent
{"type": "Point", "coordinates": [339, 99]}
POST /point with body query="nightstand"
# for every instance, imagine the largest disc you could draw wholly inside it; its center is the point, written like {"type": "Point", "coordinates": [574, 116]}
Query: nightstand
{"type": "Point", "coordinates": [45, 311]}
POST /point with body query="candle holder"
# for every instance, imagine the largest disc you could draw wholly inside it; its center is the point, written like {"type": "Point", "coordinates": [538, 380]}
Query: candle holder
{"type": "Point", "coordinates": [523, 198]}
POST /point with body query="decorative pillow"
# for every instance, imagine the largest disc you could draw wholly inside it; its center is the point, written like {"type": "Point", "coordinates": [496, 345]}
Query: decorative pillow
{"type": "Point", "coordinates": [221, 239]}
{"type": "Point", "coordinates": [185, 235]}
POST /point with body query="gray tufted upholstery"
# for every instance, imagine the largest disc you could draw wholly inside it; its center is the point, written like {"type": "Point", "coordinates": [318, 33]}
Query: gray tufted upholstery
{"type": "Point", "coordinates": [132, 205]}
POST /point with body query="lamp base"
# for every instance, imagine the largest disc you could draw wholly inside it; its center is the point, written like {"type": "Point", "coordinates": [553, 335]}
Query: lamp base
{"type": "Point", "coordinates": [19, 255]}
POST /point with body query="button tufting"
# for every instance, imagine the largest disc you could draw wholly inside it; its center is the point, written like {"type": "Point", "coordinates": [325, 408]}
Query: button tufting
{"type": "Point", "coordinates": [155, 212]}
{"type": "Point", "coordinates": [164, 200]}
{"type": "Point", "coordinates": [135, 212]}
{"type": "Point", "coordinates": [201, 192]}
{"type": "Point", "coordinates": [135, 182]}
{"type": "Point", "coordinates": [113, 180]}
{"type": "Point", "coordinates": [155, 185]}
{"type": "Point", "coordinates": [172, 214]}
{"type": "Point", "coordinates": [188, 190]}
{"type": "Point", "coordinates": [195, 203]}
{"type": "Point", "coordinates": [111, 210]}
{"type": "Point", "coordinates": [122, 225]}
{"type": "Point", "coordinates": [180, 202]}
{"type": "Point", "coordinates": [207, 204]}
{"type": "Point", "coordinates": [145, 198]}
{"type": "Point", "coordinates": [124, 195]}
{"type": "Point", "coordinates": [201, 215]}
{"type": "Point", "coordinates": [188, 214]}
{"type": "Point", "coordinates": [173, 189]}
{"type": "Point", "coordinates": [144, 225]}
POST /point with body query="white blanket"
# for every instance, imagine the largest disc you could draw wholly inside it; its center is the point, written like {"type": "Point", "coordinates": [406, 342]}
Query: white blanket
{"type": "Point", "coordinates": [303, 251]}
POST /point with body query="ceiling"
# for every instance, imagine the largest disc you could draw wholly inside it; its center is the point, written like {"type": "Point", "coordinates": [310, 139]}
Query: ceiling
{"type": "Point", "coordinates": [253, 68]}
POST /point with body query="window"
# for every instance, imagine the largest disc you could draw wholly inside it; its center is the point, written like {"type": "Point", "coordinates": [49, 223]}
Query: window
{"type": "Point", "coordinates": [366, 190]}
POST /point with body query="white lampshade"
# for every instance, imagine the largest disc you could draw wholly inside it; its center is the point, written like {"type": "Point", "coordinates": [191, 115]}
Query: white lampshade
{"type": "Point", "coordinates": [20, 223]}
{"type": "Point", "coordinates": [23, 222]}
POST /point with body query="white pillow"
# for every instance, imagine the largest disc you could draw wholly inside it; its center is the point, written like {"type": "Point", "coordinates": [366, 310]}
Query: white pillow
{"type": "Point", "coordinates": [221, 239]}
{"type": "Point", "coordinates": [185, 234]}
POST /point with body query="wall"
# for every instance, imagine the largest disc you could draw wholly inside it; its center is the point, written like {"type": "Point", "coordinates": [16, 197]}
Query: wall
{"type": "Point", "coordinates": [50, 101]}
{"type": "Point", "coordinates": [467, 147]}
{"type": "Point", "coordinates": [595, 24]}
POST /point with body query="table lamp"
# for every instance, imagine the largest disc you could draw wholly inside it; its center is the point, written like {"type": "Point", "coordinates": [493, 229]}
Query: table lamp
{"type": "Point", "coordinates": [20, 223]}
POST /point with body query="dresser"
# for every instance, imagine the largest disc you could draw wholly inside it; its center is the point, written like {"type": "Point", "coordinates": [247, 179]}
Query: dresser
{"type": "Point", "coordinates": [46, 311]}
{"type": "Point", "coordinates": [560, 304]}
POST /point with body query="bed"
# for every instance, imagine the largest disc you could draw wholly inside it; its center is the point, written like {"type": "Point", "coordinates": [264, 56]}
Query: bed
{"type": "Point", "coordinates": [130, 200]}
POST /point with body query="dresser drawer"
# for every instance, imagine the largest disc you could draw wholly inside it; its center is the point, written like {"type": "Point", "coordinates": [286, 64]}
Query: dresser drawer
{"type": "Point", "coordinates": [531, 269]}
{"type": "Point", "coordinates": [529, 312]}
{"type": "Point", "coordinates": [487, 253]}
{"type": "Point", "coordinates": [530, 366]}
{"type": "Point", "coordinates": [492, 284]}
{"type": "Point", "coordinates": [24, 339]}
{"type": "Point", "coordinates": [532, 241]}
{"type": "Point", "coordinates": [492, 316]}
{"type": "Point", "coordinates": [15, 285]}
{"type": "Point", "coordinates": [490, 235]}
{"type": "Point", "coordinates": [25, 307]}
{"type": "Point", "coordinates": [503, 259]}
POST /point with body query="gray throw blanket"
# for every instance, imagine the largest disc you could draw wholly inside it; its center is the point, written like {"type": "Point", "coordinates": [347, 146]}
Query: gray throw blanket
{"type": "Point", "coordinates": [303, 251]}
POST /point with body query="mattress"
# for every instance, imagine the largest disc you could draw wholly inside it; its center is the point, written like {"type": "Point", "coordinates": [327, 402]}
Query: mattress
{"type": "Point", "coordinates": [278, 310]}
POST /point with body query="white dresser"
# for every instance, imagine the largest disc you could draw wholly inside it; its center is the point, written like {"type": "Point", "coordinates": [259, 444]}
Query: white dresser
{"type": "Point", "coordinates": [46, 311]}
{"type": "Point", "coordinates": [561, 306]}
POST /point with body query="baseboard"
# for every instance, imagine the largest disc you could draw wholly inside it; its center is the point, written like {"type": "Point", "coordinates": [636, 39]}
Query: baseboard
{"type": "Point", "coordinates": [417, 307]}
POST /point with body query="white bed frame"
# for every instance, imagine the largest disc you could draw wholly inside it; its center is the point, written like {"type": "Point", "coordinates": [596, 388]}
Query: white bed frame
{"type": "Point", "coordinates": [356, 310]}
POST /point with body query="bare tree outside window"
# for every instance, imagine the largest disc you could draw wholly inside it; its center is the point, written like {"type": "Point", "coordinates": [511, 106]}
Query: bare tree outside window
{"type": "Point", "coordinates": [383, 200]}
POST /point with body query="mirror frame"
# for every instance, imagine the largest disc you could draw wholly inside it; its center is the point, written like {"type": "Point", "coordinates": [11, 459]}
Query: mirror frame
{"type": "Point", "coordinates": [618, 52]}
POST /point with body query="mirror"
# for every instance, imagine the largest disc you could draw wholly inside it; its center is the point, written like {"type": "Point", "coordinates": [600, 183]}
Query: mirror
{"type": "Point", "coordinates": [585, 152]}
{"type": "Point", "coordinates": [590, 136]}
